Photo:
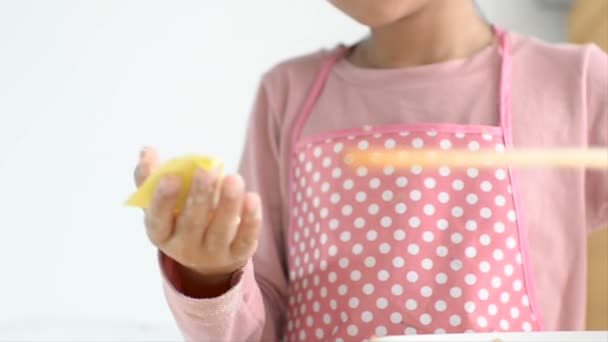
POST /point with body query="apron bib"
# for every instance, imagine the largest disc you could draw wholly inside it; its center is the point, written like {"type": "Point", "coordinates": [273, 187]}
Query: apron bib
{"type": "Point", "coordinates": [392, 252]}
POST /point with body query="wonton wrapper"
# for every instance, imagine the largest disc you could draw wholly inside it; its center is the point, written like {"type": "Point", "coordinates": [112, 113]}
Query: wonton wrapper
{"type": "Point", "coordinates": [184, 168]}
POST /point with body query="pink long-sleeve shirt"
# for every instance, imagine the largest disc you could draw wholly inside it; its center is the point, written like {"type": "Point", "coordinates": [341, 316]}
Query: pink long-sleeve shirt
{"type": "Point", "coordinates": [560, 99]}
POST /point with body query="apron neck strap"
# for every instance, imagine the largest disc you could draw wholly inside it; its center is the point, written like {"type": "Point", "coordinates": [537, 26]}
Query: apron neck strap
{"type": "Point", "coordinates": [505, 84]}
{"type": "Point", "coordinates": [315, 92]}
{"type": "Point", "coordinates": [505, 88]}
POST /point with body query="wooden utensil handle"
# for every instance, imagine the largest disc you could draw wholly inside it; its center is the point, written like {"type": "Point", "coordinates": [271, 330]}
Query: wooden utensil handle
{"type": "Point", "coordinates": [596, 158]}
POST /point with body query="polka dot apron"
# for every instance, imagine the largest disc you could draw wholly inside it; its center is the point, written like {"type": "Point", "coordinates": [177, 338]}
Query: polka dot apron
{"type": "Point", "coordinates": [376, 252]}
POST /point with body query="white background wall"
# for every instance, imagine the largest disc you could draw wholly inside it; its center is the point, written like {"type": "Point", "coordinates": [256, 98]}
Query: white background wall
{"type": "Point", "coordinates": [83, 85]}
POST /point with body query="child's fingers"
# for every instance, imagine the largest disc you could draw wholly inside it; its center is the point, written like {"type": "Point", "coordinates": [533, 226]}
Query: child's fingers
{"type": "Point", "coordinates": [194, 219]}
{"type": "Point", "coordinates": [226, 218]}
{"type": "Point", "coordinates": [245, 241]}
{"type": "Point", "coordinates": [159, 217]}
{"type": "Point", "coordinates": [148, 162]}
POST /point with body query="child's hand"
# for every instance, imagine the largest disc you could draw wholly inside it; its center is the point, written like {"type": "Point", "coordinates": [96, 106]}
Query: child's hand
{"type": "Point", "coordinates": [210, 243]}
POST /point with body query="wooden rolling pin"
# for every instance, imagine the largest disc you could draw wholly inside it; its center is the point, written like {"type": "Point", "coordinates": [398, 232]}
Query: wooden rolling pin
{"type": "Point", "coordinates": [595, 158]}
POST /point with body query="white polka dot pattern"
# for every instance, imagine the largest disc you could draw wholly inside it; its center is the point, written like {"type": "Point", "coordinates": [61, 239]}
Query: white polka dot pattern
{"type": "Point", "coordinates": [376, 252]}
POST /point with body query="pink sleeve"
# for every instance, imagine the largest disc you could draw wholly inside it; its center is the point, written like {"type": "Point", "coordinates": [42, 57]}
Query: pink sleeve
{"type": "Point", "coordinates": [596, 94]}
{"type": "Point", "coordinates": [254, 308]}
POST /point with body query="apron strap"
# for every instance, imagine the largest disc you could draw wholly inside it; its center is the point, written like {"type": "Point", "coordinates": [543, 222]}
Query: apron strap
{"type": "Point", "coordinates": [506, 118]}
{"type": "Point", "coordinates": [505, 86]}
{"type": "Point", "coordinates": [505, 89]}
{"type": "Point", "coordinates": [315, 92]}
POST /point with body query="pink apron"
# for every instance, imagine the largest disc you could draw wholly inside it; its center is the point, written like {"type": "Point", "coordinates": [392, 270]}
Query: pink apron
{"type": "Point", "coordinates": [393, 252]}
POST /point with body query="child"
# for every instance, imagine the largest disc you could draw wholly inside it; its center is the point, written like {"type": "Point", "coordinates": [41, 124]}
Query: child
{"type": "Point", "coordinates": [344, 254]}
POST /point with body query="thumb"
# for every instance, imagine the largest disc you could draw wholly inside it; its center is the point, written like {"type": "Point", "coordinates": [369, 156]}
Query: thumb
{"type": "Point", "coordinates": [149, 160]}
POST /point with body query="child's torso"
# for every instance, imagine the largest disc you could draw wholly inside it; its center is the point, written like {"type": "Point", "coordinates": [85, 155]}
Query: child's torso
{"type": "Point", "coordinates": [464, 92]}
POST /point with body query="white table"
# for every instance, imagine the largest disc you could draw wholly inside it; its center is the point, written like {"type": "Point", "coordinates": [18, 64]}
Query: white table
{"type": "Point", "coordinates": [570, 336]}
{"type": "Point", "coordinates": [88, 331]}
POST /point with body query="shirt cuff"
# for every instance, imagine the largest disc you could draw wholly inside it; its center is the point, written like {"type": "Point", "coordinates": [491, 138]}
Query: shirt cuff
{"type": "Point", "coordinates": [205, 308]}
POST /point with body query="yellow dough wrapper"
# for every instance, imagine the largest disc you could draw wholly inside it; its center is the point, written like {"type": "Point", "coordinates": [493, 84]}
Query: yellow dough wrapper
{"type": "Point", "coordinates": [182, 167]}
